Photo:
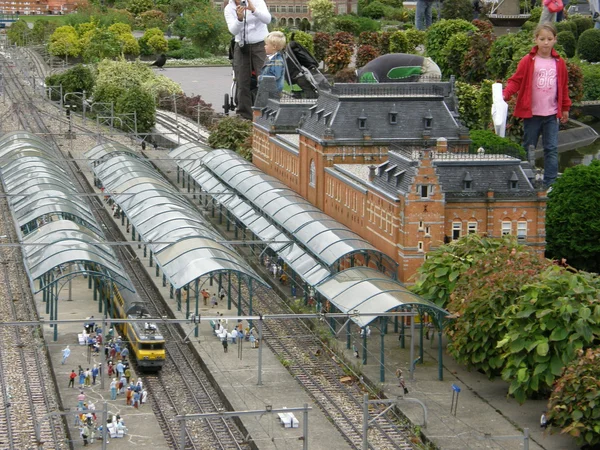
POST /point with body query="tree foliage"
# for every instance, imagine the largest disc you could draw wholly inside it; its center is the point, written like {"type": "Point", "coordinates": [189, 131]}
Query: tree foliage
{"type": "Point", "coordinates": [322, 41]}
{"type": "Point", "coordinates": [338, 57]}
{"type": "Point", "coordinates": [233, 133]}
{"type": "Point", "coordinates": [437, 277]}
{"type": "Point", "coordinates": [482, 294]}
{"type": "Point", "coordinates": [19, 33]}
{"type": "Point", "coordinates": [137, 7]}
{"type": "Point", "coordinates": [153, 19]}
{"type": "Point", "coordinates": [365, 54]}
{"type": "Point", "coordinates": [588, 45]}
{"type": "Point", "coordinates": [322, 12]}
{"type": "Point", "coordinates": [152, 43]}
{"type": "Point", "coordinates": [142, 103]}
{"type": "Point", "coordinates": [78, 78]}
{"type": "Point", "coordinates": [64, 42]}
{"type": "Point", "coordinates": [439, 32]}
{"type": "Point", "coordinates": [573, 217]}
{"type": "Point", "coordinates": [457, 9]}
{"type": "Point", "coordinates": [555, 318]}
{"type": "Point", "coordinates": [574, 407]}
{"type": "Point", "coordinates": [99, 44]}
{"type": "Point", "coordinates": [207, 29]}
{"type": "Point", "coordinates": [42, 30]}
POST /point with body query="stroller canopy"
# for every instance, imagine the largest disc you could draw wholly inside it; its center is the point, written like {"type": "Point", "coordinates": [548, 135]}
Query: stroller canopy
{"type": "Point", "coordinates": [399, 67]}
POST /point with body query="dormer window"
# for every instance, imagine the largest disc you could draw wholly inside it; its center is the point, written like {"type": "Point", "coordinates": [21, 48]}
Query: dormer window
{"type": "Point", "coordinates": [327, 118]}
{"type": "Point", "coordinates": [428, 121]}
{"type": "Point", "coordinates": [393, 115]}
{"type": "Point", "coordinates": [362, 121]}
{"type": "Point", "coordinates": [320, 114]}
{"type": "Point", "coordinates": [468, 182]}
{"type": "Point", "coordinates": [312, 110]}
{"type": "Point", "coordinates": [514, 182]}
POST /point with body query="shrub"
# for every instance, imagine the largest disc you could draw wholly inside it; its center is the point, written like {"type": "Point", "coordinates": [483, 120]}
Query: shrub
{"type": "Point", "coordinates": [145, 48]}
{"type": "Point", "coordinates": [153, 19]}
{"type": "Point", "coordinates": [573, 405]}
{"type": "Point", "coordinates": [79, 78]}
{"type": "Point", "coordinates": [234, 134]}
{"type": "Point", "coordinates": [366, 24]}
{"type": "Point", "coordinates": [142, 103]}
{"type": "Point", "coordinates": [398, 42]}
{"type": "Point", "coordinates": [375, 10]}
{"type": "Point", "coordinates": [19, 32]}
{"type": "Point", "coordinates": [42, 29]}
{"type": "Point", "coordinates": [415, 38]}
{"type": "Point", "coordinates": [369, 38]}
{"type": "Point", "coordinates": [99, 44]}
{"type": "Point", "coordinates": [344, 38]}
{"type": "Point", "coordinates": [473, 68]}
{"type": "Point", "coordinates": [346, 23]}
{"type": "Point", "coordinates": [322, 42]}
{"type": "Point", "coordinates": [506, 52]}
{"type": "Point", "coordinates": [174, 44]}
{"type": "Point", "coordinates": [304, 39]}
{"type": "Point", "coordinates": [457, 9]}
{"type": "Point", "coordinates": [438, 33]}
{"type": "Point", "coordinates": [582, 23]}
{"type": "Point", "coordinates": [492, 143]}
{"type": "Point", "coordinates": [453, 54]}
{"type": "Point", "coordinates": [475, 104]}
{"type": "Point", "coordinates": [384, 42]}
{"type": "Point", "coordinates": [575, 81]}
{"type": "Point", "coordinates": [365, 54]}
{"type": "Point", "coordinates": [588, 46]}
{"type": "Point", "coordinates": [64, 42]}
{"type": "Point", "coordinates": [186, 52]}
{"type": "Point", "coordinates": [338, 57]}
{"type": "Point", "coordinates": [591, 81]}
{"type": "Point", "coordinates": [116, 77]}
{"type": "Point", "coordinates": [207, 29]}
{"type": "Point", "coordinates": [192, 107]}
{"type": "Point", "coordinates": [568, 42]}
{"type": "Point", "coordinates": [137, 7]}
{"type": "Point", "coordinates": [347, 75]}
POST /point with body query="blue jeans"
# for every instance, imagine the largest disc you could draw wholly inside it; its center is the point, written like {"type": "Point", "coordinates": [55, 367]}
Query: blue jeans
{"type": "Point", "coordinates": [547, 126]}
{"type": "Point", "coordinates": [423, 14]}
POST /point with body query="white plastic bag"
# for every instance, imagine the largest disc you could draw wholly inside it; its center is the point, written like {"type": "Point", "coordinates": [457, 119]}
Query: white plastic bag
{"type": "Point", "coordinates": [499, 110]}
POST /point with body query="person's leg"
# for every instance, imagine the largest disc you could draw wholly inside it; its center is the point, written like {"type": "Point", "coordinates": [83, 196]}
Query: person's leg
{"type": "Point", "coordinates": [532, 128]}
{"type": "Point", "coordinates": [550, 142]}
{"type": "Point", "coordinates": [428, 13]}
{"type": "Point", "coordinates": [259, 56]}
{"type": "Point", "coordinates": [547, 16]}
{"type": "Point", "coordinates": [242, 69]}
{"type": "Point", "coordinates": [420, 15]}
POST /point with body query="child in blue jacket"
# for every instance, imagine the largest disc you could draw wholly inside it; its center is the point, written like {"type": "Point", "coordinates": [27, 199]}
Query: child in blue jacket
{"type": "Point", "coordinates": [274, 65]}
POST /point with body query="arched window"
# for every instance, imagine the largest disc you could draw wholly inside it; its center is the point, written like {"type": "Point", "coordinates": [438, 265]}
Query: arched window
{"type": "Point", "coordinates": [312, 174]}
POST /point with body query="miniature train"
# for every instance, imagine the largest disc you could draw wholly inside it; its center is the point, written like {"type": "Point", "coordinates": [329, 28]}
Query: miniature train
{"type": "Point", "coordinates": [146, 343]}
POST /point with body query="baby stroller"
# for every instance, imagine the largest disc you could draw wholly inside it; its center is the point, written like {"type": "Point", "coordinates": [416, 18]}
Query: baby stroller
{"type": "Point", "coordinates": [302, 70]}
{"type": "Point", "coordinates": [230, 99]}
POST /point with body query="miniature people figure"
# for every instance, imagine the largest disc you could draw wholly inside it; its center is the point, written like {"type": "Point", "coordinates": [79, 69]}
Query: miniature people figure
{"type": "Point", "coordinates": [544, 420]}
{"type": "Point", "coordinates": [72, 377]}
{"type": "Point", "coordinates": [222, 294]}
{"type": "Point", "coordinates": [66, 353]}
{"type": "Point", "coordinates": [225, 345]}
{"type": "Point", "coordinates": [95, 372]}
{"type": "Point", "coordinates": [113, 389]}
{"type": "Point", "coordinates": [399, 374]}
{"type": "Point", "coordinates": [205, 296]}
{"type": "Point", "coordinates": [80, 400]}
{"type": "Point", "coordinates": [542, 83]}
{"type": "Point", "coordinates": [213, 300]}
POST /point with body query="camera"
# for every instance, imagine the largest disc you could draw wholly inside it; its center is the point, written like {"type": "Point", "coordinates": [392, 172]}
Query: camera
{"type": "Point", "coordinates": [243, 3]}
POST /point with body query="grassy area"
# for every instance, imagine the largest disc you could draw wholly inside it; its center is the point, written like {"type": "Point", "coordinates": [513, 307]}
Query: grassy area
{"type": "Point", "coordinates": [33, 19]}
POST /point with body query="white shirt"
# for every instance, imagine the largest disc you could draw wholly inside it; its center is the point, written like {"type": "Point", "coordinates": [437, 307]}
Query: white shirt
{"type": "Point", "coordinates": [256, 22]}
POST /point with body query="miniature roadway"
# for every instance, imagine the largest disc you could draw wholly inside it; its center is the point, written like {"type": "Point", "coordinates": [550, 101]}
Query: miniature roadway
{"type": "Point", "coordinates": [485, 418]}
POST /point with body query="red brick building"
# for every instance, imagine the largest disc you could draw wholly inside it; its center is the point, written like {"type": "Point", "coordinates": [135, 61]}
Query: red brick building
{"type": "Point", "coordinates": [39, 7]}
{"type": "Point", "coordinates": [392, 163]}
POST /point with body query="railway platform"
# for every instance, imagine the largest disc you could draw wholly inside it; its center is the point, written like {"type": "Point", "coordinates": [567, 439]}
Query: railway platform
{"type": "Point", "coordinates": [142, 428]}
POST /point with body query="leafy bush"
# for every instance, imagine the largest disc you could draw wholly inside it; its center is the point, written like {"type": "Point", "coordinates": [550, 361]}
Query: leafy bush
{"type": "Point", "coordinates": [492, 143]}
{"type": "Point", "coordinates": [482, 295]}
{"type": "Point", "coordinates": [145, 47]}
{"type": "Point", "coordinates": [591, 81]}
{"type": "Point", "coordinates": [575, 81]}
{"type": "Point", "coordinates": [555, 318]}
{"type": "Point", "coordinates": [174, 44]}
{"type": "Point", "coordinates": [415, 38]}
{"type": "Point", "coordinates": [438, 33]}
{"type": "Point", "coordinates": [18, 33]}
{"type": "Point", "coordinates": [64, 42]}
{"type": "Point", "coordinates": [457, 9]}
{"type": "Point", "coordinates": [453, 54]}
{"type": "Point", "coordinates": [234, 134]}
{"type": "Point", "coordinates": [116, 77]}
{"type": "Point", "coordinates": [346, 23]}
{"type": "Point", "coordinates": [322, 42]}
{"type": "Point", "coordinates": [588, 45]}
{"type": "Point", "coordinates": [374, 10]}
{"type": "Point", "coordinates": [398, 42]}
{"type": "Point", "coordinates": [347, 75]}
{"type": "Point", "coordinates": [160, 87]}
{"type": "Point", "coordinates": [142, 103]}
{"type": "Point", "coordinates": [573, 406]}
{"type": "Point", "coordinates": [437, 277]}
{"type": "Point", "coordinates": [338, 57]}
{"type": "Point", "coordinates": [207, 29]}
{"type": "Point", "coordinates": [78, 78]}
{"type": "Point", "coordinates": [137, 7]}
{"type": "Point", "coordinates": [153, 19]}
{"type": "Point", "coordinates": [582, 23]}
{"type": "Point", "coordinates": [384, 42]}
{"type": "Point", "coordinates": [343, 38]}
{"type": "Point", "coordinates": [42, 29]}
{"type": "Point", "coordinates": [572, 219]}
{"type": "Point", "coordinates": [568, 42]}
{"type": "Point", "coordinates": [304, 39]}
{"type": "Point", "coordinates": [369, 38]}
{"type": "Point", "coordinates": [506, 52]}
{"type": "Point", "coordinates": [473, 68]}
{"type": "Point", "coordinates": [365, 54]}
{"type": "Point", "coordinates": [186, 52]}
{"type": "Point", "coordinates": [366, 24]}
{"type": "Point", "coordinates": [194, 108]}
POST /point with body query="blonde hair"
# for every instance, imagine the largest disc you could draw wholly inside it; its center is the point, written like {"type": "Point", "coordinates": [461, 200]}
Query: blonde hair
{"type": "Point", "coordinates": [548, 26]}
{"type": "Point", "coordinates": [276, 39]}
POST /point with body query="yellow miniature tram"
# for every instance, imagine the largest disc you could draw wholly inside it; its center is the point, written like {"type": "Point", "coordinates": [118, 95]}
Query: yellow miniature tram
{"type": "Point", "coordinates": [146, 343]}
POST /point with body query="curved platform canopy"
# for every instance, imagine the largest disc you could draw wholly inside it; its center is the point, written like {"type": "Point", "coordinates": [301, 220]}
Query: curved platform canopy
{"type": "Point", "coordinates": [188, 158]}
{"type": "Point", "coordinates": [327, 239]}
{"type": "Point", "coordinates": [184, 246]}
{"type": "Point", "coordinates": [55, 225]}
{"type": "Point", "coordinates": [365, 290]}
{"type": "Point", "coordinates": [63, 242]}
{"type": "Point", "coordinates": [106, 150]}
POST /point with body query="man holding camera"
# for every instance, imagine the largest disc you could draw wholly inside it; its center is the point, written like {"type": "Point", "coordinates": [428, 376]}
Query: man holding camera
{"type": "Point", "coordinates": [247, 20]}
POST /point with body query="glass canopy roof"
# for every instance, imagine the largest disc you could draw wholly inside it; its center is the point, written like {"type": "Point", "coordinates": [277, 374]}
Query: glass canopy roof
{"type": "Point", "coordinates": [365, 290]}
{"type": "Point", "coordinates": [328, 240]}
{"type": "Point", "coordinates": [184, 246]}
{"type": "Point", "coordinates": [41, 194]}
{"type": "Point", "coordinates": [311, 271]}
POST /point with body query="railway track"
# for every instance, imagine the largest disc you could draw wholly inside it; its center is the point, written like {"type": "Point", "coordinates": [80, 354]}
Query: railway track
{"type": "Point", "coordinates": [28, 393]}
{"type": "Point", "coordinates": [179, 131]}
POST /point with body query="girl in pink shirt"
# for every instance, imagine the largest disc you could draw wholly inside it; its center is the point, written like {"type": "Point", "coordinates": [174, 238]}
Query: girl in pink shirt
{"type": "Point", "coordinates": [541, 81]}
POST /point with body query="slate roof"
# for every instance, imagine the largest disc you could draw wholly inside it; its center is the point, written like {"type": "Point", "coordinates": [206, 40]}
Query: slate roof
{"type": "Point", "coordinates": [335, 118]}
{"type": "Point", "coordinates": [396, 174]}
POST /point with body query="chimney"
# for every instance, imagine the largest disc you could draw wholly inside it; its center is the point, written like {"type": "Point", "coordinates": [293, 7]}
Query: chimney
{"type": "Point", "coordinates": [442, 145]}
{"type": "Point", "coordinates": [372, 172]}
